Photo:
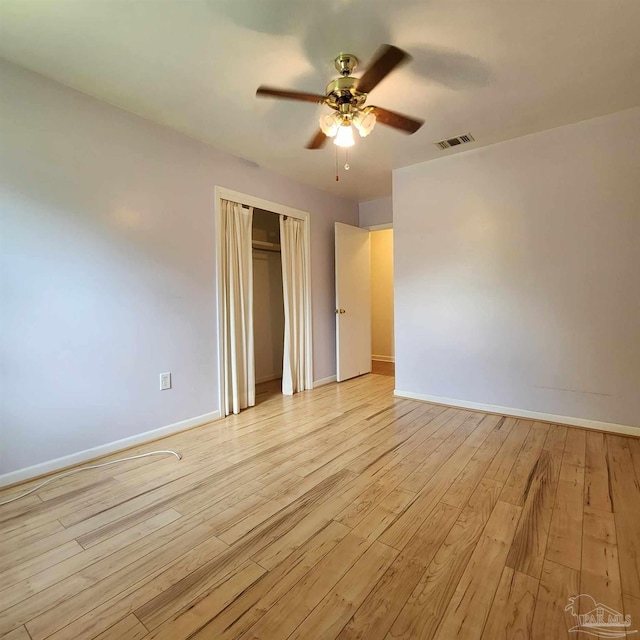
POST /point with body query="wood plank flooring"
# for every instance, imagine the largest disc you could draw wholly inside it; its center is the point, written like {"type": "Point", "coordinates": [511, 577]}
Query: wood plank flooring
{"type": "Point", "coordinates": [337, 513]}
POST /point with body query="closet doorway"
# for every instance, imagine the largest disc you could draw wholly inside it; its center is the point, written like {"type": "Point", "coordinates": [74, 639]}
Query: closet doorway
{"type": "Point", "coordinates": [268, 304]}
{"type": "Point", "coordinates": [243, 335]}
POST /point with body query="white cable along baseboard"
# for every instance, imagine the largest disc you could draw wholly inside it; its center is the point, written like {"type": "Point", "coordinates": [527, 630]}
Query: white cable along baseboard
{"type": "Point", "coordinates": [596, 425]}
{"type": "Point", "coordinates": [110, 447]}
{"type": "Point", "coordinates": [75, 470]}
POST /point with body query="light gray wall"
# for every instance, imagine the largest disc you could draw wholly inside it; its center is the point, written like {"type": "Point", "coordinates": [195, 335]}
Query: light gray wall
{"type": "Point", "coordinates": [517, 273]}
{"type": "Point", "coordinates": [108, 269]}
{"type": "Point", "coordinates": [375, 212]}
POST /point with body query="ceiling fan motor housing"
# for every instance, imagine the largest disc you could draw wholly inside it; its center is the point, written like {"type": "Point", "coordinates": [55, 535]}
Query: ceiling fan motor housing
{"type": "Point", "coordinates": [344, 91]}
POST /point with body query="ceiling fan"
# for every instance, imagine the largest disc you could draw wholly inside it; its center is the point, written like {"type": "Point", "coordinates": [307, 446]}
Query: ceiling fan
{"type": "Point", "coordinates": [347, 95]}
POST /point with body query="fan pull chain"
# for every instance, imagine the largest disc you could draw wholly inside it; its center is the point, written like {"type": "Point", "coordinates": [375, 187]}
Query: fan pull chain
{"type": "Point", "coordinates": [337, 176]}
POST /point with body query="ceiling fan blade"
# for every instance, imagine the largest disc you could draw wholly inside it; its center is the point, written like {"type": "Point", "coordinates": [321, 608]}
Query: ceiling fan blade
{"type": "Point", "coordinates": [318, 141]}
{"type": "Point", "coordinates": [269, 92]}
{"type": "Point", "coordinates": [397, 120]}
{"type": "Point", "coordinates": [387, 58]}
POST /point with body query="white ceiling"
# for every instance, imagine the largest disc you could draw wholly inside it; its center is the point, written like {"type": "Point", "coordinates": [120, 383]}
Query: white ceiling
{"type": "Point", "coordinates": [498, 69]}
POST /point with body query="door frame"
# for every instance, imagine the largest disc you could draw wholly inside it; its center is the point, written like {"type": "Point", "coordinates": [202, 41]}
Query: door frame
{"type": "Point", "coordinates": [222, 193]}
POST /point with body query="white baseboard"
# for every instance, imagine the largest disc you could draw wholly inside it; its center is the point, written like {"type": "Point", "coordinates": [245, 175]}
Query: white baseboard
{"type": "Point", "coordinates": [269, 378]}
{"type": "Point", "coordinates": [611, 427]}
{"type": "Point", "coordinates": [323, 381]}
{"type": "Point", "coordinates": [378, 358]}
{"type": "Point", "coordinates": [104, 449]}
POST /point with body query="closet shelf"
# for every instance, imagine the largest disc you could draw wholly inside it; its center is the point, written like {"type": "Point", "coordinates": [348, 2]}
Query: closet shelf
{"type": "Point", "coordinates": [265, 246]}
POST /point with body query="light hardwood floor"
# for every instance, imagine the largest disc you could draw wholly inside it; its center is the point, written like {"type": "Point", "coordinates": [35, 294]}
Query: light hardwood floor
{"type": "Point", "coordinates": [337, 513]}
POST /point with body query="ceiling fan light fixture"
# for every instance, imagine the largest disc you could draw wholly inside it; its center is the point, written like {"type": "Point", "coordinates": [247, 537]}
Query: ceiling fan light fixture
{"type": "Point", "coordinates": [330, 123]}
{"type": "Point", "coordinates": [344, 137]}
{"type": "Point", "coordinates": [347, 96]}
{"type": "Point", "coordinates": [364, 122]}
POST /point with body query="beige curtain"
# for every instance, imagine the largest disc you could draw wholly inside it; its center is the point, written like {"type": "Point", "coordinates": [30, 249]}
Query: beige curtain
{"type": "Point", "coordinates": [238, 384]}
{"type": "Point", "coordinates": [295, 374]}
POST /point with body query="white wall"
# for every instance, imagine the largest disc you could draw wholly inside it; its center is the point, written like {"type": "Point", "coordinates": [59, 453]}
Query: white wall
{"type": "Point", "coordinates": [108, 270]}
{"type": "Point", "coordinates": [382, 295]}
{"type": "Point", "coordinates": [375, 212]}
{"type": "Point", "coordinates": [517, 273]}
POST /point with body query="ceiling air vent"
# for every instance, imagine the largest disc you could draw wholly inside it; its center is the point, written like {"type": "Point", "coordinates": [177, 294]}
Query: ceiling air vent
{"type": "Point", "coordinates": [454, 142]}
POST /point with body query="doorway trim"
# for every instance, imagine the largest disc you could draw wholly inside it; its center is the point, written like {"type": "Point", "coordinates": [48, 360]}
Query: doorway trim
{"type": "Point", "coordinates": [222, 193]}
{"type": "Point", "coordinates": [380, 227]}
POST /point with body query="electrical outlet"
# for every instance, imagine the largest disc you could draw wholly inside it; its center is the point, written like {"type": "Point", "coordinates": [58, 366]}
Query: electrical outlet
{"type": "Point", "coordinates": [165, 381]}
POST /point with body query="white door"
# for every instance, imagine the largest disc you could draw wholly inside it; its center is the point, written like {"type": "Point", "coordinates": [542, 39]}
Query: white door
{"type": "Point", "coordinates": [353, 301]}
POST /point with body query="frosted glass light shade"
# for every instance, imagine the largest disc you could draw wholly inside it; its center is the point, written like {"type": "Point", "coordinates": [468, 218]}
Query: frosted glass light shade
{"type": "Point", "coordinates": [364, 122]}
{"type": "Point", "coordinates": [344, 138]}
{"type": "Point", "coordinates": [329, 124]}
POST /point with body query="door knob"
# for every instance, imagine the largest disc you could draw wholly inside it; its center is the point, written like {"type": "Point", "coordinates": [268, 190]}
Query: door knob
{"type": "Point", "coordinates": [340, 311]}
